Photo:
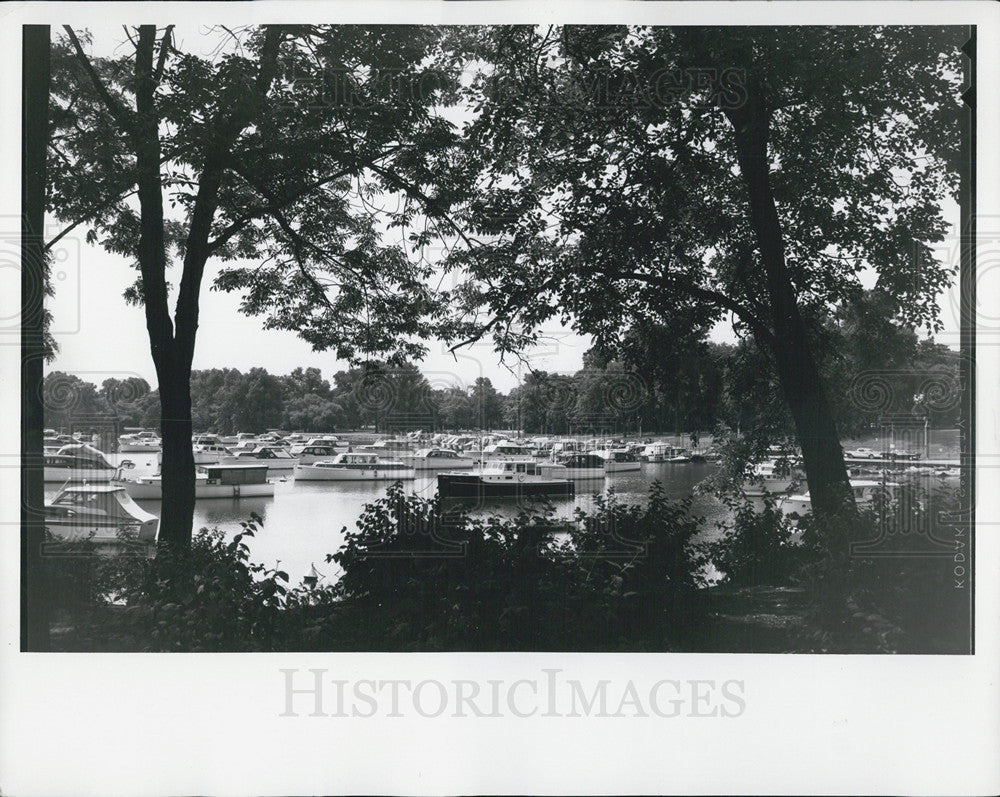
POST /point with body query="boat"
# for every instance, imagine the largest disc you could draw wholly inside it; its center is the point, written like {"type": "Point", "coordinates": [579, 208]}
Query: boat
{"type": "Point", "coordinates": [217, 481]}
{"type": "Point", "coordinates": [78, 462]}
{"type": "Point", "coordinates": [356, 466]}
{"type": "Point", "coordinates": [509, 478]}
{"type": "Point", "coordinates": [314, 452]}
{"type": "Point", "coordinates": [98, 512]}
{"type": "Point", "coordinates": [574, 466]}
{"type": "Point", "coordinates": [656, 452]}
{"type": "Point", "coordinates": [768, 478]}
{"type": "Point", "coordinates": [795, 506]}
{"type": "Point", "coordinates": [505, 450]}
{"type": "Point", "coordinates": [146, 441]}
{"type": "Point", "coordinates": [436, 459]}
{"type": "Point", "coordinates": [387, 448]}
{"type": "Point", "coordinates": [617, 460]}
{"type": "Point", "coordinates": [677, 456]}
{"type": "Point", "coordinates": [209, 448]}
{"type": "Point", "coordinates": [275, 458]}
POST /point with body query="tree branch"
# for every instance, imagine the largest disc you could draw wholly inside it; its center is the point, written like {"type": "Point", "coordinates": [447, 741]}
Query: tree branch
{"type": "Point", "coordinates": [119, 112]}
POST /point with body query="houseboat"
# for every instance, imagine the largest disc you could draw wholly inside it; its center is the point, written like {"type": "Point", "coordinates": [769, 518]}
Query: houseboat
{"type": "Point", "coordinates": [78, 462]}
{"type": "Point", "coordinates": [503, 479]}
{"type": "Point", "coordinates": [356, 466]}
{"type": "Point", "coordinates": [216, 481]}
{"type": "Point", "coordinates": [98, 512]}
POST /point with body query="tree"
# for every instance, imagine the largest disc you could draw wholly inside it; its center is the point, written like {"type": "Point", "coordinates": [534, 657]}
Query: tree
{"type": "Point", "coordinates": [34, 140]}
{"type": "Point", "coordinates": [669, 175]}
{"type": "Point", "coordinates": [271, 156]}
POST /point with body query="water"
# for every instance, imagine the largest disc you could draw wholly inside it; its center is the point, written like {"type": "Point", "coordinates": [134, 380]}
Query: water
{"type": "Point", "coordinates": [303, 522]}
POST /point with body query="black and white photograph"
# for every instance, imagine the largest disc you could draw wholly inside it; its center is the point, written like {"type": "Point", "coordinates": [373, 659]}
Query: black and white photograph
{"type": "Point", "coordinates": [637, 362]}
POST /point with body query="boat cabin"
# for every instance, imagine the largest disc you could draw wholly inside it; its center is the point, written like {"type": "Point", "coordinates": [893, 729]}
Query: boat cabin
{"type": "Point", "coordinates": [236, 474]}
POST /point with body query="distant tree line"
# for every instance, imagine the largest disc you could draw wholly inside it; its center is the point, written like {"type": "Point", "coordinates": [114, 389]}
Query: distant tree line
{"type": "Point", "coordinates": [648, 382]}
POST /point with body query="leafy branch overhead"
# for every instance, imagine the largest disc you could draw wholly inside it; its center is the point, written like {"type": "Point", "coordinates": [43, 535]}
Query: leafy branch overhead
{"type": "Point", "coordinates": [609, 184]}
{"type": "Point", "coordinates": [328, 156]}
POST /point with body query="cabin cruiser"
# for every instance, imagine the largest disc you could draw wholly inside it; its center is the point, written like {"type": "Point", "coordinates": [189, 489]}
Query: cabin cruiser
{"type": "Point", "coordinates": [656, 452]}
{"type": "Point", "coordinates": [356, 466]}
{"type": "Point", "coordinates": [503, 479]}
{"type": "Point", "coordinates": [51, 443]}
{"type": "Point", "coordinates": [617, 460]}
{"type": "Point", "coordinates": [436, 459]}
{"type": "Point", "coordinates": [574, 466]}
{"type": "Point", "coordinates": [388, 448]}
{"type": "Point", "coordinates": [98, 512]}
{"type": "Point", "coordinates": [314, 452]}
{"type": "Point", "coordinates": [78, 462]}
{"type": "Point", "coordinates": [208, 448]}
{"type": "Point", "coordinates": [769, 478]}
{"type": "Point", "coordinates": [865, 491]}
{"type": "Point", "coordinates": [146, 441]}
{"type": "Point", "coordinates": [275, 458]}
{"type": "Point", "coordinates": [506, 450]}
{"type": "Point", "coordinates": [216, 481]}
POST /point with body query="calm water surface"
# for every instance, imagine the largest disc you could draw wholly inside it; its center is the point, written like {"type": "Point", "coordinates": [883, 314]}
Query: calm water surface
{"type": "Point", "coordinates": [304, 521]}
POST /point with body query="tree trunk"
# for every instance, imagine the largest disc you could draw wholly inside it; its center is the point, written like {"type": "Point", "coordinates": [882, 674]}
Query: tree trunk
{"type": "Point", "coordinates": [34, 140]}
{"type": "Point", "coordinates": [177, 468]}
{"type": "Point", "coordinates": [801, 384]}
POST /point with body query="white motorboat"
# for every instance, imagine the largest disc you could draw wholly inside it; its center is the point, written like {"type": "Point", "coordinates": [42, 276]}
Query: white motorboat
{"type": "Point", "coordinates": [98, 512]}
{"type": "Point", "coordinates": [314, 452]}
{"type": "Point", "coordinates": [275, 458]}
{"type": "Point", "coordinates": [217, 481]}
{"type": "Point", "coordinates": [387, 448]}
{"type": "Point", "coordinates": [356, 466]}
{"type": "Point", "coordinates": [617, 460]}
{"type": "Point", "coordinates": [508, 478]}
{"type": "Point", "coordinates": [506, 450]}
{"type": "Point", "coordinates": [656, 452]}
{"type": "Point", "coordinates": [209, 448]}
{"type": "Point", "coordinates": [795, 506]}
{"type": "Point", "coordinates": [78, 462]}
{"type": "Point", "coordinates": [436, 459]}
{"type": "Point", "coordinates": [574, 466]}
{"type": "Point", "coordinates": [142, 442]}
{"type": "Point", "coordinates": [769, 478]}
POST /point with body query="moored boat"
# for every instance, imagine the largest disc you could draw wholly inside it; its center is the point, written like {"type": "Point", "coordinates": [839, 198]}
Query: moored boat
{"type": "Point", "coordinates": [142, 442]}
{"type": "Point", "coordinates": [436, 459]}
{"type": "Point", "coordinates": [617, 460]}
{"type": "Point", "coordinates": [865, 491]}
{"type": "Point", "coordinates": [356, 466]}
{"type": "Point", "coordinates": [574, 466]}
{"type": "Point", "coordinates": [217, 481]}
{"type": "Point", "coordinates": [78, 462]}
{"type": "Point", "coordinates": [275, 458]}
{"type": "Point", "coordinates": [314, 452]}
{"type": "Point", "coordinates": [98, 512]}
{"type": "Point", "coordinates": [769, 478]}
{"type": "Point", "coordinates": [508, 478]}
